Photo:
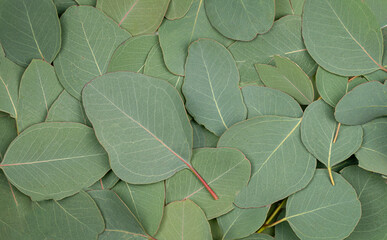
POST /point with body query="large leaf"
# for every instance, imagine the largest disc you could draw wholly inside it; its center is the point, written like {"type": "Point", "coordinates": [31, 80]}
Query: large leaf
{"type": "Point", "coordinates": [211, 83]}
{"type": "Point", "coordinates": [131, 55]}
{"type": "Point", "coordinates": [283, 39]}
{"type": "Point", "coordinates": [241, 222]}
{"type": "Point", "coordinates": [136, 16]}
{"type": "Point", "coordinates": [76, 217]}
{"type": "Point", "coordinates": [184, 220]}
{"type": "Point", "coordinates": [175, 36]}
{"type": "Point", "coordinates": [10, 75]}
{"type": "Point", "coordinates": [280, 163]}
{"type": "Point", "coordinates": [332, 87]}
{"type": "Point", "coordinates": [323, 211]}
{"type": "Point", "coordinates": [262, 101]}
{"type": "Point", "coordinates": [146, 202]}
{"type": "Point", "coordinates": [142, 123]}
{"type": "Point", "coordinates": [155, 67]}
{"type": "Point", "coordinates": [226, 170]}
{"type": "Point", "coordinates": [380, 75]}
{"type": "Point", "coordinates": [372, 155]}
{"type": "Point", "coordinates": [39, 87]}
{"type": "Point", "coordinates": [318, 132]}
{"type": "Point", "coordinates": [178, 8]}
{"type": "Point", "coordinates": [8, 132]}
{"type": "Point", "coordinates": [66, 108]}
{"type": "Point", "coordinates": [29, 29]}
{"type": "Point", "coordinates": [342, 43]}
{"type": "Point", "coordinates": [372, 191]}
{"type": "Point", "coordinates": [287, 77]}
{"type": "Point", "coordinates": [288, 7]}
{"type": "Point", "coordinates": [202, 137]}
{"type": "Point", "coordinates": [241, 20]}
{"type": "Point", "coordinates": [364, 103]}
{"type": "Point", "coordinates": [120, 221]}
{"type": "Point", "coordinates": [54, 160]}
{"type": "Point", "coordinates": [89, 39]}
{"type": "Point", "coordinates": [379, 8]}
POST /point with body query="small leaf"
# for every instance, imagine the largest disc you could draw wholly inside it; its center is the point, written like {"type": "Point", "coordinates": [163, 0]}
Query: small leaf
{"type": "Point", "coordinates": [266, 141]}
{"type": "Point", "coordinates": [258, 236]}
{"type": "Point", "coordinates": [240, 20]}
{"type": "Point", "coordinates": [335, 209]}
{"type": "Point", "coordinates": [289, 78]}
{"type": "Point", "coordinates": [62, 5]}
{"type": "Point", "coordinates": [283, 231]}
{"type": "Point", "coordinates": [211, 82]}
{"type": "Point", "coordinates": [202, 137]}
{"type": "Point", "coordinates": [54, 160]}
{"type": "Point", "coordinates": [184, 220]}
{"type": "Point", "coordinates": [262, 101]}
{"type": "Point", "coordinates": [8, 132]}
{"type": "Point", "coordinates": [288, 7]}
{"type": "Point", "coordinates": [178, 9]}
{"type": "Point", "coordinates": [372, 155]}
{"type": "Point", "coordinates": [364, 103]}
{"type": "Point", "coordinates": [107, 182]}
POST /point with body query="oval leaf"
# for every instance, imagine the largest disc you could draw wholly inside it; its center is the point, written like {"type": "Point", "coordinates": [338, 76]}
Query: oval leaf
{"type": "Point", "coordinates": [178, 8]}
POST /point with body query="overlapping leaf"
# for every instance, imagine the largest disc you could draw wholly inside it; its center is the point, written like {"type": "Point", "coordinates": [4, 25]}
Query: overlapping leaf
{"type": "Point", "coordinates": [288, 7]}
{"type": "Point", "coordinates": [202, 137]}
{"type": "Point", "coordinates": [8, 132]}
{"type": "Point", "coordinates": [178, 8]}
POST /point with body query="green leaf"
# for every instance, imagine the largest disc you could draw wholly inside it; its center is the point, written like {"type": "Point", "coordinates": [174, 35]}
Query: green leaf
{"type": "Point", "coordinates": [131, 55]}
{"type": "Point", "coordinates": [29, 29]}
{"type": "Point", "coordinates": [379, 9]}
{"type": "Point", "coordinates": [241, 222]}
{"type": "Point", "coordinates": [283, 39]}
{"type": "Point", "coordinates": [146, 202]}
{"type": "Point", "coordinates": [155, 67]}
{"type": "Point", "coordinates": [39, 87]}
{"type": "Point", "coordinates": [215, 229]}
{"type": "Point", "coordinates": [342, 43]}
{"type": "Point", "coordinates": [266, 141]}
{"type": "Point", "coordinates": [262, 101]}
{"type": "Point", "coordinates": [287, 77]}
{"type": "Point", "coordinates": [54, 160]}
{"type": "Point", "coordinates": [202, 137]}
{"type": "Point", "coordinates": [283, 231]}
{"type": "Point", "coordinates": [76, 217]}
{"type": "Point", "coordinates": [10, 75]}
{"type": "Point", "coordinates": [226, 170]}
{"type": "Point", "coordinates": [66, 108]}
{"type": "Point", "coordinates": [8, 133]}
{"type": "Point", "coordinates": [184, 220]}
{"type": "Point", "coordinates": [142, 123]}
{"type": "Point", "coordinates": [372, 155]}
{"type": "Point", "coordinates": [211, 82]}
{"type": "Point", "coordinates": [62, 5]}
{"type": "Point", "coordinates": [288, 7]}
{"type": "Point", "coordinates": [318, 133]}
{"type": "Point", "coordinates": [175, 36]}
{"type": "Point", "coordinates": [323, 211]}
{"type": "Point", "coordinates": [85, 54]}
{"type": "Point", "coordinates": [241, 20]}
{"type": "Point", "coordinates": [178, 9]}
{"type": "Point", "coordinates": [120, 221]}
{"type": "Point", "coordinates": [372, 191]}
{"type": "Point", "coordinates": [138, 17]}
{"type": "Point", "coordinates": [380, 75]}
{"type": "Point", "coordinates": [364, 103]}
{"type": "Point", "coordinates": [107, 182]}
{"type": "Point", "coordinates": [258, 236]}
{"type": "Point", "coordinates": [87, 2]}
{"type": "Point", "coordinates": [333, 87]}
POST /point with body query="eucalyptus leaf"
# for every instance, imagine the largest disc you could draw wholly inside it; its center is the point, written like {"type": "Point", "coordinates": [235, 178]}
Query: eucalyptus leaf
{"type": "Point", "coordinates": [146, 202]}
{"type": "Point", "coordinates": [8, 133]}
{"type": "Point", "coordinates": [142, 124]}
{"type": "Point", "coordinates": [283, 231]}
{"type": "Point", "coordinates": [379, 8]}
{"type": "Point", "coordinates": [211, 82]}
{"type": "Point", "coordinates": [342, 43]}
{"type": "Point", "coordinates": [372, 191]}
{"type": "Point", "coordinates": [62, 5]}
{"type": "Point", "coordinates": [266, 141]}
{"type": "Point", "coordinates": [323, 211]}
{"type": "Point", "coordinates": [29, 29]}
{"type": "Point", "coordinates": [364, 103]}
{"type": "Point", "coordinates": [119, 220]}
{"type": "Point", "coordinates": [178, 9]}
{"type": "Point", "coordinates": [136, 16]}
{"type": "Point", "coordinates": [258, 236]}
{"type": "Point", "coordinates": [262, 101]}
{"type": "Point", "coordinates": [87, 2]}
{"type": "Point", "coordinates": [283, 39]}
{"type": "Point", "coordinates": [184, 220]}
{"type": "Point", "coordinates": [380, 75]}
{"type": "Point", "coordinates": [131, 55]}
{"type": "Point", "coordinates": [175, 36]}
{"type": "Point", "coordinates": [325, 139]}
{"type": "Point", "coordinates": [215, 230]}
{"type": "Point", "coordinates": [241, 20]}
{"type": "Point", "coordinates": [288, 7]}
{"type": "Point", "coordinates": [54, 160]}
{"type": "Point", "coordinates": [241, 222]}
{"type": "Point", "coordinates": [202, 137]}
{"type": "Point", "coordinates": [39, 87]}
{"type": "Point", "coordinates": [289, 78]}
{"type": "Point", "coordinates": [107, 182]}
{"type": "Point", "coordinates": [372, 154]}
{"type": "Point", "coordinates": [85, 54]}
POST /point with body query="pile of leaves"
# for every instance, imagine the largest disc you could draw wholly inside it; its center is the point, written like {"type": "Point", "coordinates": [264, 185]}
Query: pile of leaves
{"type": "Point", "coordinates": [193, 119]}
